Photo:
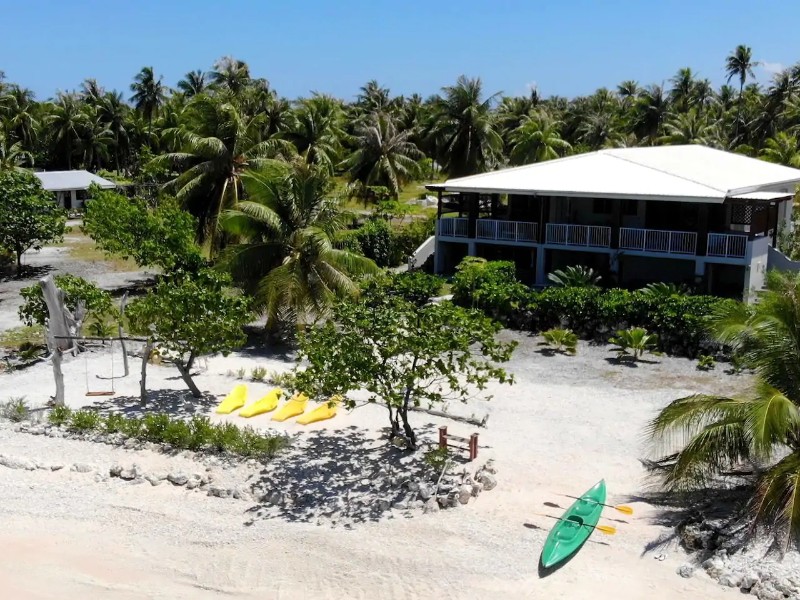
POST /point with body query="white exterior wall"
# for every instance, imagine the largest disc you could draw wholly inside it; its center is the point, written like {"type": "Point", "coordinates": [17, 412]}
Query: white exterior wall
{"type": "Point", "coordinates": [756, 269]}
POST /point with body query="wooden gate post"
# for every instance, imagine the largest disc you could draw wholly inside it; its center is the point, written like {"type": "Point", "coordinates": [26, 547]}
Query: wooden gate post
{"type": "Point", "coordinates": [473, 446]}
{"type": "Point", "coordinates": [443, 437]}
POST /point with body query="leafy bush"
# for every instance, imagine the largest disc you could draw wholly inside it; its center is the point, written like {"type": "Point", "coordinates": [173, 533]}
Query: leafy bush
{"type": "Point", "coordinates": [132, 427]}
{"type": "Point", "coordinates": [662, 289]}
{"type": "Point", "coordinates": [375, 239]}
{"type": "Point", "coordinates": [226, 437]}
{"type": "Point", "coordinates": [561, 340]}
{"type": "Point", "coordinates": [201, 432]}
{"type": "Point", "coordinates": [154, 427]}
{"type": "Point", "coordinates": [114, 423]}
{"type": "Point", "coordinates": [59, 415]}
{"type": "Point", "coordinates": [706, 362]}
{"type": "Point", "coordinates": [15, 410]}
{"type": "Point", "coordinates": [437, 458]}
{"type": "Point", "coordinates": [76, 289]}
{"type": "Point", "coordinates": [84, 420]}
{"type": "Point", "coordinates": [575, 276]}
{"type": "Point", "coordinates": [592, 313]}
{"type": "Point", "coordinates": [634, 342]}
{"type": "Point", "coordinates": [406, 239]}
{"type": "Point", "coordinates": [258, 374]}
{"type": "Point", "coordinates": [177, 433]}
{"type": "Point", "coordinates": [286, 380]}
{"type": "Point", "coordinates": [254, 444]}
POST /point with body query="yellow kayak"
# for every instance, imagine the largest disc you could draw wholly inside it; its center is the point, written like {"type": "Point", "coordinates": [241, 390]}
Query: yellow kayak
{"type": "Point", "coordinates": [324, 411]}
{"type": "Point", "coordinates": [266, 404]}
{"type": "Point", "coordinates": [292, 408]}
{"type": "Point", "coordinates": [234, 400]}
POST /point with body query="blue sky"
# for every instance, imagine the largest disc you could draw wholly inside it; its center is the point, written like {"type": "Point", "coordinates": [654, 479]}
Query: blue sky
{"type": "Point", "coordinates": [564, 47]}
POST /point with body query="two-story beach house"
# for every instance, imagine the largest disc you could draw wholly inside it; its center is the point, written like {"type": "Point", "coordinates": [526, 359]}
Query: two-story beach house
{"type": "Point", "coordinates": [684, 214]}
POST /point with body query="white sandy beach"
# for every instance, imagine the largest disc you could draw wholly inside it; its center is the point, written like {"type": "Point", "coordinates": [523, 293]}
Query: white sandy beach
{"type": "Point", "coordinates": [567, 422]}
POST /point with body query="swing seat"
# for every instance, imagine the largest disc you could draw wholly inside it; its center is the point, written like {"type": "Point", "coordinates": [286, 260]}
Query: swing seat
{"type": "Point", "coordinates": [234, 400]}
{"type": "Point", "coordinates": [106, 393]}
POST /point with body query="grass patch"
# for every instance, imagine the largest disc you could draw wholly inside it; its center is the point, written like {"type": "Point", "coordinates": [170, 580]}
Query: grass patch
{"type": "Point", "coordinates": [22, 337]}
{"type": "Point", "coordinates": [84, 248]}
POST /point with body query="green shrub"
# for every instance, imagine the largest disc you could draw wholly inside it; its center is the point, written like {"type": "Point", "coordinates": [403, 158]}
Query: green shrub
{"type": "Point", "coordinates": [154, 427]}
{"type": "Point", "coordinates": [493, 288]}
{"type": "Point", "coordinates": [84, 421]}
{"type": "Point", "coordinates": [15, 410]}
{"type": "Point", "coordinates": [561, 340]}
{"type": "Point", "coordinates": [286, 380]}
{"type": "Point", "coordinates": [375, 239]}
{"type": "Point", "coordinates": [76, 289]}
{"type": "Point", "coordinates": [256, 445]}
{"type": "Point", "coordinates": [178, 434]}
{"type": "Point", "coordinates": [407, 238]}
{"type": "Point", "coordinates": [201, 432]}
{"type": "Point", "coordinates": [437, 458]}
{"type": "Point", "coordinates": [706, 362]}
{"type": "Point", "coordinates": [132, 427]}
{"type": "Point", "coordinates": [634, 342]}
{"type": "Point", "coordinates": [226, 437]}
{"type": "Point", "coordinates": [241, 373]}
{"type": "Point", "coordinates": [258, 374]}
{"type": "Point", "coordinates": [114, 423]}
{"type": "Point", "coordinates": [59, 415]}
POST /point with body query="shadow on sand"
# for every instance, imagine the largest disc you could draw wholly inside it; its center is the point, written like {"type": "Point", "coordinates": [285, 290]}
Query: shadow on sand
{"type": "Point", "coordinates": [176, 403]}
{"type": "Point", "coordinates": [338, 474]}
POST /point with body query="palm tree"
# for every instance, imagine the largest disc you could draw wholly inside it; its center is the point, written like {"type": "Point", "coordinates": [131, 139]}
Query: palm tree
{"type": "Point", "coordinates": [113, 111]}
{"type": "Point", "coordinates": [316, 130]}
{"type": "Point", "coordinates": [782, 149]}
{"type": "Point", "coordinates": [216, 145]}
{"type": "Point", "coordinates": [650, 112]}
{"type": "Point", "coordinates": [19, 109]}
{"type": "Point", "coordinates": [383, 155]}
{"type": "Point", "coordinates": [91, 92]}
{"type": "Point", "coordinates": [12, 154]}
{"type": "Point", "coordinates": [94, 140]}
{"type": "Point", "coordinates": [231, 74]}
{"type": "Point", "coordinates": [193, 83]}
{"type": "Point", "coordinates": [285, 254]}
{"type": "Point", "coordinates": [628, 91]}
{"type": "Point", "coordinates": [462, 129]}
{"type": "Point", "coordinates": [683, 86]}
{"type": "Point", "coordinates": [148, 94]}
{"type": "Point", "coordinates": [537, 139]}
{"type": "Point", "coordinates": [688, 128]}
{"type": "Point", "coordinates": [600, 130]}
{"type": "Point", "coordinates": [712, 434]}
{"type": "Point", "coordinates": [374, 98]}
{"type": "Point", "coordinates": [66, 122]}
{"type": "Point", "coordinates": [740, 64]}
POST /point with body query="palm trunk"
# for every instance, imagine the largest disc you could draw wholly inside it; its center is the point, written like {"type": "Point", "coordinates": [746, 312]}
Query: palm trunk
{"type": "Point", "coordinates": [739, 109]}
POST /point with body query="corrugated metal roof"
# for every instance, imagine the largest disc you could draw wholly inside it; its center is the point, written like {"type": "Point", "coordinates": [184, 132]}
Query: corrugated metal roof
{"type": "Point", "coordinates": [62, 181]}
{"type": "Point", "coordinates": [762, 196]}
{"type": "Point", "coordinates": [662, 173]}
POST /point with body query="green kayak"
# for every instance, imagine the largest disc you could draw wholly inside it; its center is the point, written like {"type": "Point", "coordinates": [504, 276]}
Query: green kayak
{"type": "Point", "coordinates": [575, 526]}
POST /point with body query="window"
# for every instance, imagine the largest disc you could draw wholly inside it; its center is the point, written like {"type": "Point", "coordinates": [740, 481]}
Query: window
{"type": "Point", "coordinates": [601, 206]}
{"type": "Point", "coordinates": [630, 208]}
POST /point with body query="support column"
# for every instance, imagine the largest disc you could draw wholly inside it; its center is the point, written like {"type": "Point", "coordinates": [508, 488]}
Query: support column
{"type": "Point", "coordinates": [702, 230]}
{"type": "Point", "coordinates": [541, 275]}
{"type": "Point", "coordinates": [616, 222]}
{"type": "Point", "coordinates": [60, 197]}
{"type": "Point", "coordinates": [472, 248]}
{"type": "Point", "coordinates": [438, 258]}
{"type": "Point", "coordinates": [438, 204]}
{"type": "Point", "coordinates": [73, 197]}
{"type": "Point", "coordinates": [472, 217]}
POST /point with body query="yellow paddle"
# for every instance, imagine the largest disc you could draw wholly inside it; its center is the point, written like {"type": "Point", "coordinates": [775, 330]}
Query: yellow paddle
{"type": "Point", "coordinates": [620, 507]}
{"type": "Point", "coordinates": [607, 529]}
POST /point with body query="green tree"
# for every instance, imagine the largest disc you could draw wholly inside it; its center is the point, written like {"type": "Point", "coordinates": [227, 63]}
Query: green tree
{"type": "Point", "coordinates": [316, 131]}
{"type": "Point", "coordinates": [19, 110]}
{"type": "Point", "coordinates": [193, 83]}
{"type": "Point", "coordinates": [97, 302]}
{"type": "Point", "coordinates": [712, 434]}
{"type": "Point", "coordinates": [782, 149]}
{"type": "Point", "coordinates": [383, 155]}
{"type": "Point", "coordinates": [462, 129]}
{"type": "Point", "coordinates": [405, 351]}
{"type": "Point", "coordinates": [231, 74]}
{"type": "Point", "coordinates": [29, 216]}
{"type": "Point", "coordinates": [12, 154]}
{"type": "Point", "coordinates": [162, 236]}
{"type": "Point", "coordinates": [285, 252]}
{"type": "Point", "coordinates": [188, 315]}
{"type": "Point", "coordinates": [149, 94]}
{"type": "Point", "coordinates": [113, 112]}
{"type": "Point", "coordinates": [537, 139]}
{"type": "Point", "coordinates": [66, 122]}
{"type": "Point", "coordinates": [217, 144]}
{"type": "Point", "coordinates": [688, 128]}
{"type": "Point", "coordinates": [740, 63]}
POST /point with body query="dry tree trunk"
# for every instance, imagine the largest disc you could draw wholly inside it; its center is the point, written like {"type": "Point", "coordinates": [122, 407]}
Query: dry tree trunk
{"type": "Point", "coordinates": [148, 349]}
{"type": "Point", "coordinates": [122, 334]}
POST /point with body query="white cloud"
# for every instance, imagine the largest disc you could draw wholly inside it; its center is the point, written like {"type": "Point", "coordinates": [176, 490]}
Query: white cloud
{"type": "Point", "coordinates": [773, 68]}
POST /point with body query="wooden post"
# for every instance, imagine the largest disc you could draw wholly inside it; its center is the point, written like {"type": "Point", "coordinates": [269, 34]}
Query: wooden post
{"type": "Point", "coordinates": [121, 336]}
{"type": "Point", "coordinates": [443, 437]}
{"type": "Point", "coordinates": [148, 349]}
{"type": "Point", "coordinates": [473, 446]}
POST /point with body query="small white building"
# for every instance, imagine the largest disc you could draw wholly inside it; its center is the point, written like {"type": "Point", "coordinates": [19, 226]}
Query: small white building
{"type": "Point", "coordinates": [687, 214]}
{"type": "Point", "coordinates": [70, 186]}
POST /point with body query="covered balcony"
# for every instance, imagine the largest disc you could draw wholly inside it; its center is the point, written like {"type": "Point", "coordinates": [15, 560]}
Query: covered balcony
{"type": "Point", "coordinates": [507, 231]}
{"type": "Point", "coordinates": [726, 245]}
{"type": "Point", "coordinates": [658, 241]}
{"type": "Point", "coordinates": [591, 236]}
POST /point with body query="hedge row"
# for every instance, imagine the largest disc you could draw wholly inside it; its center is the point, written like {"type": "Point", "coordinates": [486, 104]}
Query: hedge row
{"type": "Point", "coordinates": [592, 313]}
{"type": "Point", "coordinates": [388, 246]}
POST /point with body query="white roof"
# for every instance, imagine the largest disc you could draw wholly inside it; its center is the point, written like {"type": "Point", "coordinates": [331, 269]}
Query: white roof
{"type": "Point", "coordinates": [62, 181]}
{"type": "Point", "coordinates": [678, 173]}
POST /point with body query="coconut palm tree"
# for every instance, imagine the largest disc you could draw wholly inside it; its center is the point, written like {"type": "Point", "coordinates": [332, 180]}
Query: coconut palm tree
{"type": "Point", "coordinates": [650, 112]}
{"type": "Point", "coordinates": [373, 98]}
{"type": "Point", "coordinates": [682, 92]}
{"type": "Point", "coordinates": [149, 94]}
{"type": "Point", "coordinates": [193, 83]}
{"type": "Point", "coordinates": [537, 139]}
{"type": "Point", "coordinates": [65, 123]}
{"type": "Point", "coordinates": [628, 91]}
{"type": "Point", "coordinates": [316, 130]}
{"type": "Point", "coordinates": [463, 130]}
{"type": "Point", "coordinates": [285, 252]}
{"type": "Point", "coordinates": [113, 112]}
{"type": "Point", "coordinates": [383, 155]}
{"type": "Point", "coordinates": [740, 64]}
{"type": "Point", "coordinates": [94, 140]}
{"type": "Point", "coordinates": [231, 74]}
{"type": "Point", "coordinates": [782, 149]}
{"type": "Point", "coordinates": [19, 110]}
{"type": "Point", "coordinates": [688, 128]}
{"type": "Point", "coordinates": [712, 434]}
{"type": "Point", "coordinates": [12, 154]}
{"type": "Point", "coordinates": [216, 145]}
